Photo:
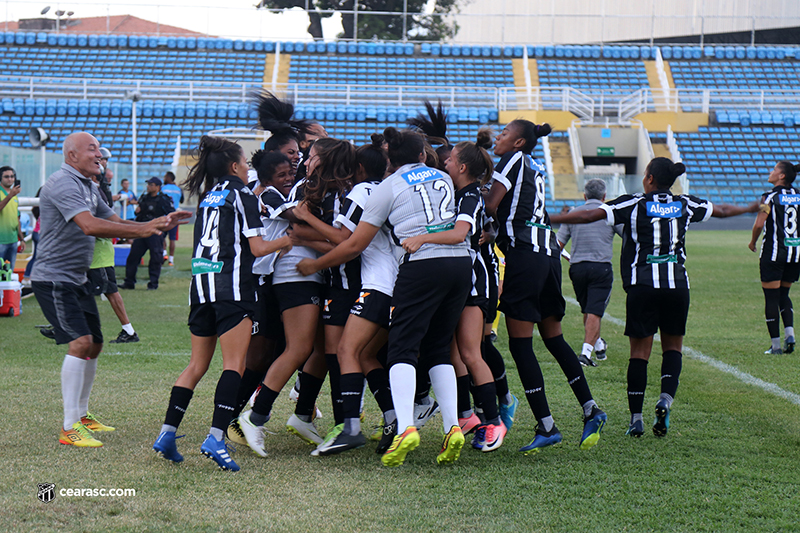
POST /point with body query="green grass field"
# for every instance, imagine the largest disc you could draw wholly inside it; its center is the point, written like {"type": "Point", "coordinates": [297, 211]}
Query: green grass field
{"type": "Point", "coordinates": [729, 462]}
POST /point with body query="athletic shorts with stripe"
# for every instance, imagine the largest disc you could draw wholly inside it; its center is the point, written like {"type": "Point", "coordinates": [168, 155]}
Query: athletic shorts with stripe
{"type": "Point", "coordinates": [373, 305]}
{"type": "Point", "coordinates": [338, 303]}
{"type": "Point", "coordinates": [267, 312]}
{"type": "Point", "coordinates": [774, 271]}
{"type": "Point", "coordinates": [102, 280]}
{"type": "Point", "coordinates": [217, 318]}
{"type": "Point", "coordinates": [70, 308]}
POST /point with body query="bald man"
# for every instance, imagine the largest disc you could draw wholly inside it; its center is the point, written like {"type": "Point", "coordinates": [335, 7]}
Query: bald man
{"type": "Point", "coordinates": [72, 214]}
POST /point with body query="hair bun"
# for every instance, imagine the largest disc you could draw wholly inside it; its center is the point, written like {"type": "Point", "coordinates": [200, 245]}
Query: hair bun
{"type": "Point", "coordinates": [393, 137]}
{"type": "Point", "coordinates": [256, 158]}
{"type": "Point", "coordinates": [377, 140]}
{"type": "Point", "coordinates": [542, 130]}
{"type": "Point", "coordinates": [484, 139]}
{"type": "Point", "coordinates": [796, 168]}
{"type": "Point", "coordinates": [677, 169]}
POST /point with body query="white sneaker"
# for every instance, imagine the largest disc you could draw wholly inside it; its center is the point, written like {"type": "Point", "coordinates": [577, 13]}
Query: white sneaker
{"type": "Point", "coordinates": [305, 430]}
{"type": "Point", "coordinates": [253, 434]}
{"type": "Point", "coordinates": [425, 411]}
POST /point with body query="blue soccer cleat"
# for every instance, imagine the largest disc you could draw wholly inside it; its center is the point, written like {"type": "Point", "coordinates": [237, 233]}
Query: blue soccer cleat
{"type": "Point", "coordinates": [543, 439]}
{"type": "Point", "coordinates": [166, 448]}
{"type": "Point", "coordinates": [661, 423]}
{"type": "Point", "coordinates": [218, 452]}
{"type": "Point", "coordinates": [592, 426]}
{"type": "Point", "coordinates": [507, 412]}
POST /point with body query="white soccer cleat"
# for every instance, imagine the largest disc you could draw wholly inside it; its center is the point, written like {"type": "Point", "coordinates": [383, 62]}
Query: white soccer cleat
{"type": "Point", "coordinates": [253, 434]}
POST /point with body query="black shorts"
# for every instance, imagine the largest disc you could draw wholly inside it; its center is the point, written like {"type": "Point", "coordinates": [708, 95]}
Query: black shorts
{"type": "Point", "coordinates": [772, 271]}
{"type": "Point", "coordinates": [173, 234]}
{"type": "Point", "coordinates": [649, 310]}
{"type": "Point", "coordinates": [102, 281]}
{"type": "Point", "coordinates": [70, 308]}
{"type": "Point", "coordinates": [267, 312]}
{"type": "Point", "coordinates": [429, 296]}
{"type": "Point", "coordinates": [338, 303]}
{"type": "Point", "coordinates": [479, 294]}
{"type": "Point", "coordinates": [374, 306]}
{"type": "Point", "coordinates": [297, 293]}
{"type": "Point", "coordinates": [532, 286]}
{"type": "Point", "coordinates": [592, 283]}
{"type": "Point", "coordinates": [216, 318]}
{"type": "Point", "coordinates": [492, 268]}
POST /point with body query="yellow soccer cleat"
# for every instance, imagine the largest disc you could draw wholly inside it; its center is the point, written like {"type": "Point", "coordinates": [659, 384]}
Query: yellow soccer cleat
{"type": "Point", "coordinates": [92, 424]}
{"type": "Point", "coordinates": [235, 433]}
{"type": "Point", "coordinates": [451, 446]}
{"type": "Point", "coordinates": [79, 436]}
{"type": "Point", "coordinates": [401, 445]}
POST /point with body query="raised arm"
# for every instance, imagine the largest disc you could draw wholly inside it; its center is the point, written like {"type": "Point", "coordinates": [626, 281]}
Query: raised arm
{"type": "Point", "coordinates": [727, 210]}
{"type": "Point", "coordinates": [115, 227]}
{"type": "Point", "coordinates": [578, 216]}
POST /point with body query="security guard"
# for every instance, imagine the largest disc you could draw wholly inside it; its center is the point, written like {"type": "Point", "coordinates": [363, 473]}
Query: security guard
{"type": "Point", "coordinates": [152, 204]}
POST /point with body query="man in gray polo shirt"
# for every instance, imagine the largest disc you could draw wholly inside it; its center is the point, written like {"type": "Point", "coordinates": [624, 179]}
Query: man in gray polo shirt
{"type": "Point", "coordinates": [72, 214]}
{"type": "Point", "coordinates": [590, 269]}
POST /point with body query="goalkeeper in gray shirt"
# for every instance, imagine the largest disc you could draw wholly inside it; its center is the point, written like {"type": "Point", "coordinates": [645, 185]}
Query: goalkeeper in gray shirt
{"type": "Point", "coordinates": [590, 269]}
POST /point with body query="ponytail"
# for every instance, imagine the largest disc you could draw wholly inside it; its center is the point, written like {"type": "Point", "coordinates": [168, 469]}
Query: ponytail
{"type": "Point", "coordinates": [373, 157]}
{"type": "Point", "coordinates": [477, 160]}
{"type": "Point", "coordinates": [789, 171]}
{"type": "Point", "coordinates": [664, 171]}
{"type": "Point", "coordinates": [214, 158]}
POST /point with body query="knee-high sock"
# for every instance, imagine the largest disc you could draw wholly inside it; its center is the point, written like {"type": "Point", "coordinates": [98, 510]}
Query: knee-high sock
{"type": "Point", "coordinates": [530, 374]}
{"type": "Point", "coordinates": [637, 383]}
{"type": "Point", "coordinates": [378, 380]}
{"type": "Point", "coordinates": [772, 311]}
{"type": "Point", "coordinates": [464, 406]}
{"type": "Point", "coordinates": [263, 406]}
{"type": "Point", "coordinates": [494, 359]}
{"type": "Point", "coordinates": [571, 367]}
{"type": "Point", "coordinates": [352, 388]}
{"type": "Point", "coordinates": [179, 400]}
{"type": "Point", "coordinates": [443, 381]}
{"type": "Point", "coordinates": [486, 397]}
{"type": "Point", "coordinates": [250, 382]}
{"type": "Point", "coordinates": [72, 372]}
{"type": "Point", "coordinates": [89, 371]}
{"type": "Point", "coordinates": [309, 392]}
{"type": "Point", "coordinates": [670, 373]}
{"type": "Point", "coordinates": [787, 313]}
{"type": "Point", "coordinates": [224, 402]}
{"type": "Point", "coordinates": [334, 375]}
{"type": "Point", "coordinates": [403, 379]}
{"type": "Point", "coordinates": [423, 383]}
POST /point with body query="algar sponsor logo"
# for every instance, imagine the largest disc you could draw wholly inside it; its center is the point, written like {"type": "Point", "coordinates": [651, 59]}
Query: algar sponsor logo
{"type": "Point", "coordinates": [662, 210]}
{"type": "Point", "coordinates": [417, 176]}
{"type": "Point", "coordinates": [790, 199]}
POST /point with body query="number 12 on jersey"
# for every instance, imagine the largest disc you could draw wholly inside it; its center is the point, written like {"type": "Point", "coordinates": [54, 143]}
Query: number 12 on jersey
{"type": "Point", "coordinates": [440, 187]}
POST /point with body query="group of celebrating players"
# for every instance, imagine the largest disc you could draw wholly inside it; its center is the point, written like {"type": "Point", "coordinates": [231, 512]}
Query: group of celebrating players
{"type": "Point", "coordinates": [377, 264]}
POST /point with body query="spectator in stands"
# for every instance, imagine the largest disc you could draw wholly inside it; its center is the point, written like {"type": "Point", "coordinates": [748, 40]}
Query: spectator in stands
{"type": "Point", "coordinates": [174, 192]}
{"type": "Point", "coordinates": [590, 268]}
{"type": "Point", "coordinates": [10, 232]}
{"type": "Point", "coordinates": [73, 214]}
{"type": "Point", "coordinates": [129, 212]}
{"type": "Point", "coordinates": [152, 204]}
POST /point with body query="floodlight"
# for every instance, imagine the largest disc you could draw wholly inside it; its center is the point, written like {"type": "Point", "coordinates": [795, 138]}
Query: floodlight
{"type": "Point", "coordinates": [38, 137]}
{"type": "Point", "coordinates": [60, 13]}
{"type": "Point", "coordinates": [45, 10]}
{"type": "Point", "coordinates": [70, 13]}
{"type": "Point", "coordinates": [133, 95]}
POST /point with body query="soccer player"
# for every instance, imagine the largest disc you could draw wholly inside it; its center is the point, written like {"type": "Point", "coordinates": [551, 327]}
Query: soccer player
{"type": "Point", "coordinates": [227, 237]}
{"type": "Point", "coordinates": [779, 259]}
{"type": "Point", "coordinates": [470, 166]}
{"type": "Point", "coordinates": [654, 278]}
{"type": "Point", "coordinates": [429, 294]}
{"type": "Point", "coordinates": [532, 284]}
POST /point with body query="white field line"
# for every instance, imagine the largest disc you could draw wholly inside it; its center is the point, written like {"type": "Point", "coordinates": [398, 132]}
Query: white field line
{"type": "Point", "coordinates": [744, 377]}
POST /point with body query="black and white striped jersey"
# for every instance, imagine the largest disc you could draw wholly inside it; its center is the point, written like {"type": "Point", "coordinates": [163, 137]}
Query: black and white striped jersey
{"type": "Point", "coordinates": [781, 243]}
{"type": "Point", "coordinates": [271, 203]}
{"type": "Point", "coordinates": [379, 260]}
{"type": "Point", "coordinates": [348, 275]}
{"type": "Point", "coordinates": [222, 263]}
{"type": "Point", "coordinates": [286, 266]}
{"type": "Point", "coordinates": [653, 239]}
{"type": "Point", "coordinates": [470, 207]}
{"type": "Point", "coordinates": [522, 216]}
